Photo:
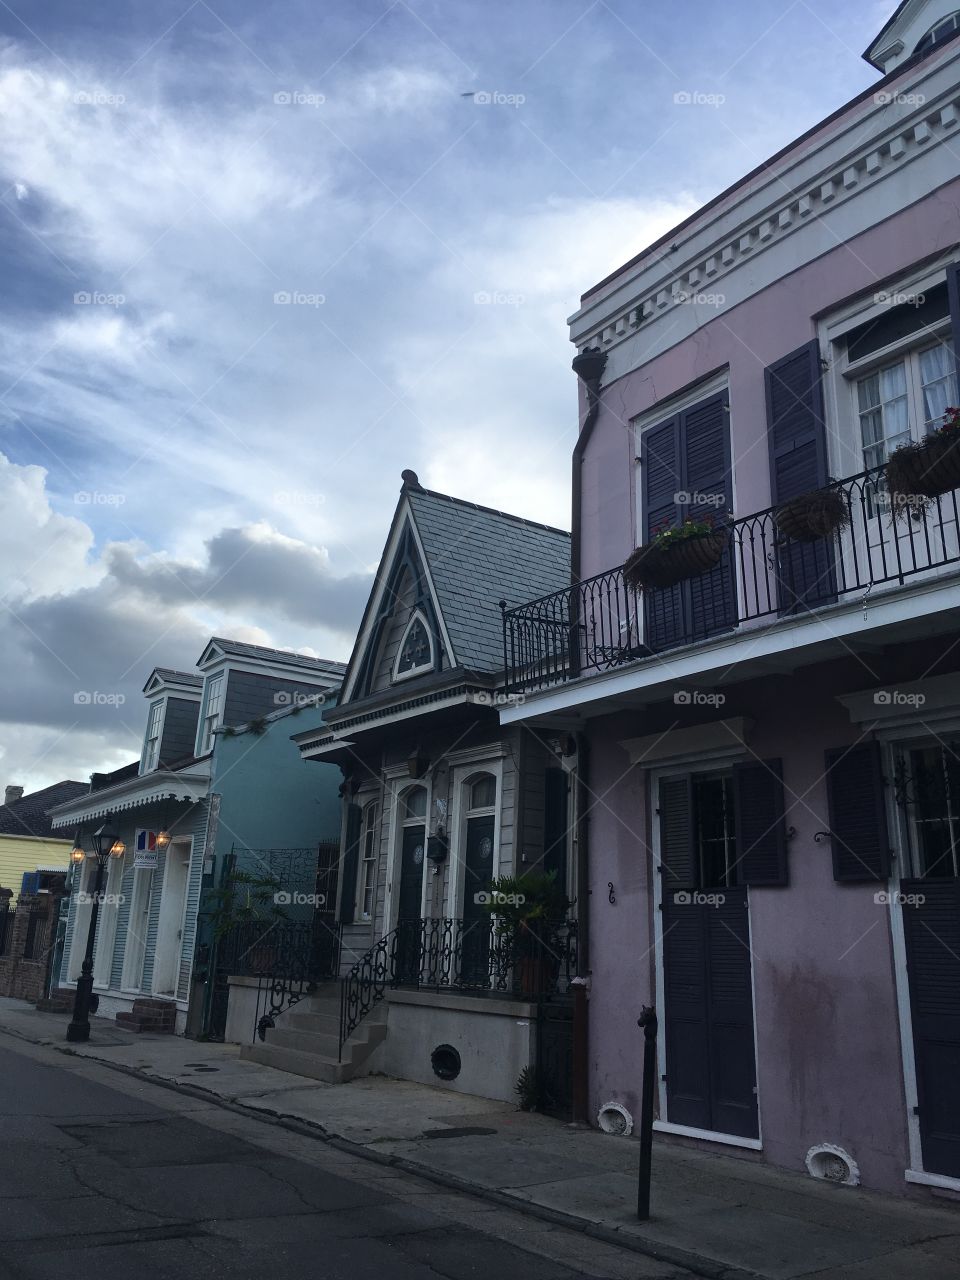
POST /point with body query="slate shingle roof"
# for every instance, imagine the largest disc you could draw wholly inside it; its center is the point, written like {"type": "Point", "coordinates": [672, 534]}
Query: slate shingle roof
{"type": "Point", "coordinates": [28, 815]}
{"type": "Point", "coordinates": [241, 650]}
{"type": "Point", "coordinates": [182, 677]}
{"type": "Point", "coordinates": [476, 557]}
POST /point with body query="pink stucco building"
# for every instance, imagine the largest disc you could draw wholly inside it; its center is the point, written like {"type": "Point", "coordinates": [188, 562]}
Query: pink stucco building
{"type": "Point", "coordinates": [769, 747]}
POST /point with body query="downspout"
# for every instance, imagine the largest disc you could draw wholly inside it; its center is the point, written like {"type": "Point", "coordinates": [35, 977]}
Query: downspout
{"type": "Point", "coordinates": [588, 366]}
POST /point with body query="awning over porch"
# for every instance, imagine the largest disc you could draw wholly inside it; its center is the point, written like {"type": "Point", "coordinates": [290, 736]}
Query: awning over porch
{"type": "Point", "coordinates": [134, 793]}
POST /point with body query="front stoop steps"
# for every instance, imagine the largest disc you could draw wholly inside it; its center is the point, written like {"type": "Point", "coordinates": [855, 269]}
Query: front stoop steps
{"type": "Point", "coordinates": [149, 1014]}
{"type": "Point", "coordinates": [308, 1037]}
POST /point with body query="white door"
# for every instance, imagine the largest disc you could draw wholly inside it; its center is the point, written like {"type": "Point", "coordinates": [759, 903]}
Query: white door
{"type": "Point", "coordinates": [166, 964]}
{"type": "Point", "coordinates": [139, 920]}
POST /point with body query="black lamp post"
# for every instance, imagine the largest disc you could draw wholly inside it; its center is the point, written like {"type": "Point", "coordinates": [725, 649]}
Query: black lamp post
{"type": "Point", "coordinates": [105, 846]}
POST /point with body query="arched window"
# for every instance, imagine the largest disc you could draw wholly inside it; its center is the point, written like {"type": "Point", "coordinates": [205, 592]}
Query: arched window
{"type": "Point", "coordinates": [942, 30]}
{"type": "Point", "coordinates": [483, 792]}
{"type": "Point", "coordinates": [413, 805]}
{"type": "Point", "coordinates": [415, 654]}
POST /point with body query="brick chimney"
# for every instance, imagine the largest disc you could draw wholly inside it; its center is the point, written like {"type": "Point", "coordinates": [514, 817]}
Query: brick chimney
{"type": "Point", "coordinates": [11, 794]}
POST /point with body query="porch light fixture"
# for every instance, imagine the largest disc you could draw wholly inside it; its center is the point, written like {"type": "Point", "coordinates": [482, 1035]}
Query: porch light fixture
{"type": "Point", "coordinates": [76, 853]}
{"type": "Point", "coordinates": [106, 845]}
{"type": "Point", "coordinates": [163, 839]}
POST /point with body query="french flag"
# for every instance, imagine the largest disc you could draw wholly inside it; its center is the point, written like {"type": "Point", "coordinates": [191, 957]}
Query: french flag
{"type": "Point", "coordinates": [146, 841]}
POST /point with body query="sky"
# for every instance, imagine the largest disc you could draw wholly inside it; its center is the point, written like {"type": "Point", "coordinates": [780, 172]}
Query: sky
{"type": "Point", "coordinates": [259, 258]}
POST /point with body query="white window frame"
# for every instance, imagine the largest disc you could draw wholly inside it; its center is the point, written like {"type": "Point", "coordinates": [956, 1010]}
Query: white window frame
{"type": "Point", "coordinates": [369, 860]}
{"type": "Point", "coordinates": [841, 405]}
{"type": "Point", "coordinates": [397, 782]}
{"type": "Point", "coordinates": [209, 723]}
{"type": "Point", "coordinates": [397, 675]}
{"type": "Point", "coordinates": [462, 776]}
{"type": "Point", "coordinates": [151, 755]}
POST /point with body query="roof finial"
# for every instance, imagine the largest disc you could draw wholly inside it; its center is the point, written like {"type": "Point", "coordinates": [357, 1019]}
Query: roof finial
{"type": "Point", "coordinates": [410, 480]}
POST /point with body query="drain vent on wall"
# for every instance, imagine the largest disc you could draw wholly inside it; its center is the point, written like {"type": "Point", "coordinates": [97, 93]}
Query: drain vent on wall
{"type": "Point", "coordinates": [831, 1163]}
{"type": "Point", "coordinates": [445, 1062]}
{"type": "Point", "coordinates": [613, 1118]}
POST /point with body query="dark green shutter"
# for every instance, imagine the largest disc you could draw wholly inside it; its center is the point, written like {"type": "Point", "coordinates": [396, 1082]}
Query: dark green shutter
{"type": "Point", "coordinates": [351, 859]}
{"type": "Point", "coordinates": [953, 293]}
{"type": "Point", "coordinates": [797, 440]}
{"type": "Point", "coordinates": [678, 863]}
{"type": "Point", "coordinates": [858, 817]}
{"type": "Point", "coordinates": [760, 826]}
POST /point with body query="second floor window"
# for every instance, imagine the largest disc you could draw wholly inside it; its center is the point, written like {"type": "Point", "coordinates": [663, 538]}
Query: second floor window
{"type": "Point", "coordinates": [905, 400]}
{"type": "Point", "coordinates": [151, 751]}
{"type": "Point", "coordinates": [213, 713]}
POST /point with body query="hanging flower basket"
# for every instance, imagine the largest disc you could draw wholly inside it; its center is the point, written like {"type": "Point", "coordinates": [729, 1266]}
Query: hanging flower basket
{"type": "Point", "coordinates": [673, 556]}
{"type": "Point", "coordinates": [812, 516]}
{"type": "Point", "coordinates": [918, 472]}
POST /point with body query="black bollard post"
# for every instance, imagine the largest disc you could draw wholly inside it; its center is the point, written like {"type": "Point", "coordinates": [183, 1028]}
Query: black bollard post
{"type": "Point", "coordinates": [648, 1021]}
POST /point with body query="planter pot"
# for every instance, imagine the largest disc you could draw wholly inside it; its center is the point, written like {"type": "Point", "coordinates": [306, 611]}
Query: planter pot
{"type": "Point", "coordinates": [924, 470]}
{"type": "Point", "coordinates": [812, 516]}
{"type": "Point", "coordinates": [654, 565]}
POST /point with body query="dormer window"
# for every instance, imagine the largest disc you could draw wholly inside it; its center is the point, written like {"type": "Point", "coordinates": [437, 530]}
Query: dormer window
{"type": "Point", "coordinates": [941, 31]}
{"type": "Point", "coordinates": [212, 714]}
{"type": "Point", "coordinates": [415, 654]}
{"type": "Point", "coordinates": [151, 748]}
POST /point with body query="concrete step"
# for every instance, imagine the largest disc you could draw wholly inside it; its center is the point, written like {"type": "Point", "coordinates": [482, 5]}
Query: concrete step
{"type": "Point", "coordinates": [325, 1023]}
{"type": "Point", "coordinates": [304, 1041]}
{"type": "Point", "coordinates": [311, 1065]}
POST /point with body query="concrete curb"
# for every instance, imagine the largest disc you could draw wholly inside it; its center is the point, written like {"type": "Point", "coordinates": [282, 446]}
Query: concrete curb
{"type": "Point", "coordinates": [692, 1262]}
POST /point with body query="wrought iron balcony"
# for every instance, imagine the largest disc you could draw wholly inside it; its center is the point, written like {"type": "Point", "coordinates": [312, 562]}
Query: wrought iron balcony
{"type": "Point", "coordinates": [764, 573]}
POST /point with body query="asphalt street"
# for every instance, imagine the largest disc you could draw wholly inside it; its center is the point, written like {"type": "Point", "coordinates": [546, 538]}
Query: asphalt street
{"type": "Point", "coordinates": [104, 1176]}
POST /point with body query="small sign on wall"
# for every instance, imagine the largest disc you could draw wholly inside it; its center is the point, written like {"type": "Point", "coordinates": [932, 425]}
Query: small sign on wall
{"type": "Point", "coordinates": [145, 852]}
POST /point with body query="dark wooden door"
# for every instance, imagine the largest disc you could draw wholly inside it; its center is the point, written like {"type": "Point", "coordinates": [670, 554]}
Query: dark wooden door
{"type": "Point", "coordinates": [708, 1014]}
{"type": "Point", "coordinates": [477, 878]}
{"type": "Point", "coordinates": [410, 899]}
{"type": "Point", "coordinates": [931, 925]}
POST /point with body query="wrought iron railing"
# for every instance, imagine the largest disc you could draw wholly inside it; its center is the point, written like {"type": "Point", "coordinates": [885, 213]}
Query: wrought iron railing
{"type": "Point", "coordinates": [602, 623]}
{"type": "Point", "coordinates": [473, 956]}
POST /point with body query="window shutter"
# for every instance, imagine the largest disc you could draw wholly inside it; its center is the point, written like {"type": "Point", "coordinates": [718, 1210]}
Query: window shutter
{"type": "Point", "coordinates": [761, 828]}
{"type": "Point", "coordinates": [796, 438]}
{"type": "Point", "coordinates": [678, 864]}
{"type": "Point", "coordinates": [661, 479]}
{"type": "Point", "coordinates": [858, 817]}
{"type": "Point", "coordinates": [351, 857]}
{"type": "Point", "coordinates": [705, 437]}
{"type": "Point", "coordinates": [953, 293]}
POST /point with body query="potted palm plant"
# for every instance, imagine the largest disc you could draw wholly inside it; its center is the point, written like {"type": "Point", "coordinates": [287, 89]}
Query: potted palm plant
{"type": "Point", "coordinates": [813, 515]}
{"type": "Point", "coordinates": [524, 908]}
{"type": "Point", "coordinates": [916, 473]}
{"type": "Point", "coordinates": [676, 552]}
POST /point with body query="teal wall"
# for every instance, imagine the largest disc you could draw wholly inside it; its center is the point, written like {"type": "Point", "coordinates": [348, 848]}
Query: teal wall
{"type": "Point", "coordinates": [269, 797]}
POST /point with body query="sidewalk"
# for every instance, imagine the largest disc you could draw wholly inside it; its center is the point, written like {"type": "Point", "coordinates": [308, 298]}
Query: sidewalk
{"type": "Point", "coordinates": [716, 1215]}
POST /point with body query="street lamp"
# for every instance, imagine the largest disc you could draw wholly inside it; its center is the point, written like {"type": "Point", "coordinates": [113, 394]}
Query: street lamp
{"type": "Point", "coordinates": [105, 846]}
